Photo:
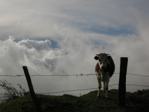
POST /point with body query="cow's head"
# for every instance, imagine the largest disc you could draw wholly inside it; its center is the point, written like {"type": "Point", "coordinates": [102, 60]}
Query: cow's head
{"type": "Point", "coordinates": [102, 57]}
{"type": "Point", "coordinates": [106, 62]}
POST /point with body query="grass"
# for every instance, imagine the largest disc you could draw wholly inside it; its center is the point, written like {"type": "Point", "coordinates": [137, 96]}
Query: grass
{"type": "Point", "coordinates": [135, 102]}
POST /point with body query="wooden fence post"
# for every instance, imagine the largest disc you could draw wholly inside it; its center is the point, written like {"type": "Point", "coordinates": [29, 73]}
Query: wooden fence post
{"type": "Point", "coordinates": [122, 80]}
{"type": "Point", "coordinates": [31, 89]}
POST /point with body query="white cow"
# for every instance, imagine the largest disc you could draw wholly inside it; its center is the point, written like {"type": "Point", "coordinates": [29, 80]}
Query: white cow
{"type": "Point", "coordinates": [104, 70]}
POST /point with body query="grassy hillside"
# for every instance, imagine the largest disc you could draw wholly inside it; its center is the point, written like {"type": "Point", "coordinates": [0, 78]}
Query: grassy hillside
{"type": "Point", "coordinates": [136, 102]}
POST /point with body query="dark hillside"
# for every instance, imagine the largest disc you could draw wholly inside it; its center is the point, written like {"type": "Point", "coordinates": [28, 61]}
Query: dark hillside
{"type": "Point", "coordinates": [136, 102]}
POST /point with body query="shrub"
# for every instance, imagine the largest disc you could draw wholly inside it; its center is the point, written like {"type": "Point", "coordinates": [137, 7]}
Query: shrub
{"type": "Point", "coordinates": [10, 91]}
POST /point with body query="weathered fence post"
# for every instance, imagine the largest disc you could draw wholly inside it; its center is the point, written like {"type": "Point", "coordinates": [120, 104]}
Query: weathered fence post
{"type": "Point", "coordinates": [31, 89]}
{"type": "Point", "coordinates": [122, 80]}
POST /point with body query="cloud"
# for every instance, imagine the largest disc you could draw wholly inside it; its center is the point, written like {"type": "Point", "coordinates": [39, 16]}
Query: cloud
{"type": "Point", "coordinates": [44, 60]}
{"type": "Point", "coordinates": [74, 56]}
{"type": "Point", "coordinates": [53, 37]}
{"type": "Point", "coordinates": [39, 45]}
{"type": "Point", "coordinates": [40, 18]}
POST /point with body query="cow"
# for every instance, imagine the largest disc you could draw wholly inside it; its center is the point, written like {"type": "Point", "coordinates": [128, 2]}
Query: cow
{"type": "Point", "coordinates": [104, 69]}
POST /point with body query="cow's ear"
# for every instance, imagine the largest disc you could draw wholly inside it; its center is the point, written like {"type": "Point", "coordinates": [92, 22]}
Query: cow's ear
{"type": "Point", "coordinates": [96, 57]}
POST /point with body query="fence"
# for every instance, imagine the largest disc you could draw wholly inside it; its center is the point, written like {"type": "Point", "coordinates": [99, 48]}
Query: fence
{"type": "Point", "coordinates": [122, 82]}
{"type": "Point", "coordinates": [83, 75]}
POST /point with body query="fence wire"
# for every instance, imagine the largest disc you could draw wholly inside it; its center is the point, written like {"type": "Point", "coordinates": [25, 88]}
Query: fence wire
{"type": "Point", "coordinates": [76, 75]}
{"type": "Point", "coordinates": [61, 75]}
{"type": "Point", "coordinates": [86, 89]}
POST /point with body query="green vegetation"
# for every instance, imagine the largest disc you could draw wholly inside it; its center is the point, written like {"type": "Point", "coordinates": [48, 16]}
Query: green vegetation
{"type": "Point", "coordinates": [135, 102]}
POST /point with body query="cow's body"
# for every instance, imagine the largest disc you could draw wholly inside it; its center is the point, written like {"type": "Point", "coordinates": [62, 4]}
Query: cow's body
{"type": "Point", "coordinates": [104, 70]}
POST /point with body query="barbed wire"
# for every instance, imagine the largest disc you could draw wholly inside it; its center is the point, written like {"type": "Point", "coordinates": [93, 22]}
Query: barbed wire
{"type": "Point", "coordinates": [85, 89]}
{"type": "Point", "coordinates": [66, 91]}
{"type": "Point", "coordinates": [140, 75]}
{"type": "Point", "coordinates": [141, 85]}
{"type": "Point", "coordinates": [74, 90]}
{"type": "Point", "coordinates": [46, 75]}
{"type": "Point", "coordinates": [89, 89]}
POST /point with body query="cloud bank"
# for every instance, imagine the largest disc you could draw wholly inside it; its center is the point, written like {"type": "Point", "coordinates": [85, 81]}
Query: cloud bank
{"type": "Point", "coordinates": [54, 38]}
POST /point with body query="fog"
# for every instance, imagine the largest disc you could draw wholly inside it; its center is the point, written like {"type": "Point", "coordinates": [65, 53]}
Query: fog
{"type": "Point", "coordinates": [62, 38]}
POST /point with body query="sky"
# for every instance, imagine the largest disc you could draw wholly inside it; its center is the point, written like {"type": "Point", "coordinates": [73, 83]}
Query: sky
{"type": "Point", "coordinates": [62, 37]}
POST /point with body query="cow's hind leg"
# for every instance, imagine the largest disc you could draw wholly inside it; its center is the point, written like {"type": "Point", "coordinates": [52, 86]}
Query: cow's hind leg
{"type": "Point", "coordinates": [106, 84]}
{"type": "Point", "coordinates": [99, 86]}
{"type": "Point", "coordinates": [106, 88]}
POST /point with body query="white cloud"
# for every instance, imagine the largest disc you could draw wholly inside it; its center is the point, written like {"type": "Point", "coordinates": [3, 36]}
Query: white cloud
{"type": "Point", "coordinates": [42, 60]}
{"type": "Point", "coordinates": [39, 18]}
{"type": "Point", "coordinates": [39, 45]}
{"type": "Point", "coordinates": [63, 22]}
